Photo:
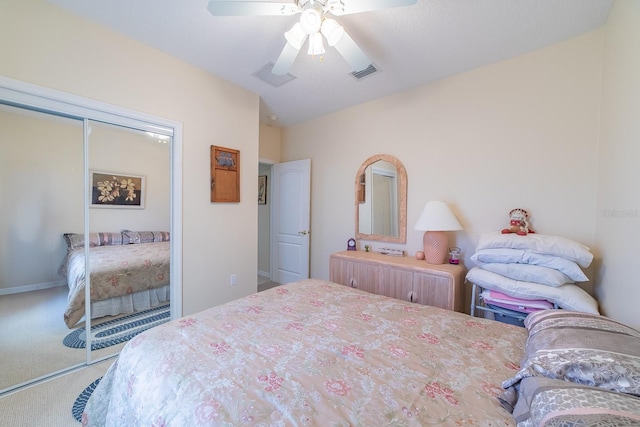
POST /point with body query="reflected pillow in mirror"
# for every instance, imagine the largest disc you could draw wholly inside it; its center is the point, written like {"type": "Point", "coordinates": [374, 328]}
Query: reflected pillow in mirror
{"type": "Point", "coordinates": [133, 237]}
{"type": "Point", "coordinates": [75, 241]}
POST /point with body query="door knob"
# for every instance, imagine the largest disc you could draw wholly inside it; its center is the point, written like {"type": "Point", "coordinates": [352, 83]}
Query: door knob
{"type": "Point", "coordinates": [304, 232]}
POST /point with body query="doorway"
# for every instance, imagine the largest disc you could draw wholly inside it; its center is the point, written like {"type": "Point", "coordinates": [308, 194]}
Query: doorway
{"type": "Point", "coordinates": [264, 227]}
{"type": "Point", "coordinates": [284, 223]}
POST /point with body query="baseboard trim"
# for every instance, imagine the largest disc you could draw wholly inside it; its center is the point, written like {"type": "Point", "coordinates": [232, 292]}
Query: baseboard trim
{"type": "Point", "coordinates": [34, 287]}
{"type": "Point", "coordinates": [264, 274]}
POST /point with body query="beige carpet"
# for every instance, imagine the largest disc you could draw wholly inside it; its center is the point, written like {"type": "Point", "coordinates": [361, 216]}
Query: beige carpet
{"type": "Point", "coordinates": [49, 403]}
{"type": "Point", "coordinates": [31, 333]}
{"type": "Point", "coordinates": [265, 283]}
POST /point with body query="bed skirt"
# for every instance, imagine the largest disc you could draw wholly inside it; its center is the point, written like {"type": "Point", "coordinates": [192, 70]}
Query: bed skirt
{"type": "Point", "coordinates": [126, 304]}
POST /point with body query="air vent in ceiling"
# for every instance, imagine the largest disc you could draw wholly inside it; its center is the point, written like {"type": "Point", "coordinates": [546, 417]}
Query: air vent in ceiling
{"type": "Point", "coordinates": [268, 77]}
{"type": "Point", "coordinates": [359, 75]}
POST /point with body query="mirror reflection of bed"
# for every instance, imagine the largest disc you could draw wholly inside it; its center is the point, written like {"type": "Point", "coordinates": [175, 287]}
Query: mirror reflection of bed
{"type": "Point", "coordinates": [143, 282]}
{"type": "Point", "coordinates": [42, 172]}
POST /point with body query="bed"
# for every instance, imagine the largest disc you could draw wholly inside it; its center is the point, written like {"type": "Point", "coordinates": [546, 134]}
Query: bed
{"type": "Point", "coordinates": [129, 272]}
{"type": "Point", "coordinates": [313, 353]}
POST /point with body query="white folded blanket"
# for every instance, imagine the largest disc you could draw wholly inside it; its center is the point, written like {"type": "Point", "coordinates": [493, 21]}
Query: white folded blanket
{"type": "Point", "coordinates": [539, 243]}
{"type": "Point", "coordinates": [569, 297]}
{"type": "Point", "coordinates": [529, 273]}
{"type": "Point", "coordinates": [523, 256]}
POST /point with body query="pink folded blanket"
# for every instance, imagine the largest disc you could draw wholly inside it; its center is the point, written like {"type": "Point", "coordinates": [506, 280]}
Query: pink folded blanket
{"type": "Point", "coordinates": [512, 303]}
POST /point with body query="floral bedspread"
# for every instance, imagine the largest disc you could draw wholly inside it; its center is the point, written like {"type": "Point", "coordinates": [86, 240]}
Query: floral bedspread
{"type": "Point", "coordinates": [312, 353]}
{"type": "Point", "coordinates": [116, 270]}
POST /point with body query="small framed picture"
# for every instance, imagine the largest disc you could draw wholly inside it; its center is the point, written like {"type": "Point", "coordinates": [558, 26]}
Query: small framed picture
{"type": "Point", "coordinates": [225, 174]}
{"type": "Point", "coordinates": [117, 190]}
{"type": "Point", "coordinates": [262, 190]}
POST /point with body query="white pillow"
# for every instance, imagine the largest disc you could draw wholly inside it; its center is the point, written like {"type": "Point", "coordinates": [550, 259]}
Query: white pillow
{"type": "Point", "coordinates": [540, 243]}
{"type": "Point", "coordinates": [569, 297]}
{"type": "Point", "coordinates": [529, 273]}
{"type": "Point", "coordinates": [521, 256]}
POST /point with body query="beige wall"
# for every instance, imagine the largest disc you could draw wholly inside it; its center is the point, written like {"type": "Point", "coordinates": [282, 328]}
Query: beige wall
{"type": "Point", "coordinates": [41, 196]}
{"type": "Point", "coordinates": [618, 212]}
{"type": "Point", "coordinates": [120, 150]}
{"type": "Point", "coordinates": [270, 143]}
{"type": "Point", "coordinates": [519, 133]}
{"type": "Point", "coordinates": [45, 45]}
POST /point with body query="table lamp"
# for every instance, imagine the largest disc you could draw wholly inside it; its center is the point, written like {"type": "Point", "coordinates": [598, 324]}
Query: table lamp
{"type": "Point", "coordinates": [435, 219]}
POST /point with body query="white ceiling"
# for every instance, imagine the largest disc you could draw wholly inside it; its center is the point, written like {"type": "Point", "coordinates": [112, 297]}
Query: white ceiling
{"type": "Point", "coordinates": [411, 46]}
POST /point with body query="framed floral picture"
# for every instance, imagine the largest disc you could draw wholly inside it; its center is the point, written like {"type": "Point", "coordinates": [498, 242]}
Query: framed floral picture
{"type": "Point", "coordinates": [116, 190]}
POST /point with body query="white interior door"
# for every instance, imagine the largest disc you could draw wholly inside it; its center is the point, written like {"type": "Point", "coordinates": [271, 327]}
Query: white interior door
{"type": "Point", "coordinates": [290, 221]}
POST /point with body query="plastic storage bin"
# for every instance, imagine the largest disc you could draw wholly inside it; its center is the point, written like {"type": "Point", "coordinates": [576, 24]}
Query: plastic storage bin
{"type": "Point", "coordinates": [507, 316]}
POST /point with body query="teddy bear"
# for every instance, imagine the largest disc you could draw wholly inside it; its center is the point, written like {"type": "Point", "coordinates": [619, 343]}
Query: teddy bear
{"type": "Point", "coordinates": [518, 223]}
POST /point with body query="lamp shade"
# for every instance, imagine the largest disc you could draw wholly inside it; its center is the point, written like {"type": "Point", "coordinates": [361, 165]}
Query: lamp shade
{"type": "Point", "coordinates": [332, 31]}
{"type": "Point", "coordinates": [296, 36]}
{"type": "Point", "coordinates": [436, 216]}
{"type": "Point", "coordinates": [435, 219]}
{"type": "Point", "coordinates": [315, 44]}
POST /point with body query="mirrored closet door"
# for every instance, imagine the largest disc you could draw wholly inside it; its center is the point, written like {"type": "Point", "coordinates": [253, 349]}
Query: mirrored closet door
{"type": "Point", "coordinates": [41, 197]}
{"type": "Point", "coordinates": [84, 187]}
{"type": "Point", "coordinates": [129, 211]}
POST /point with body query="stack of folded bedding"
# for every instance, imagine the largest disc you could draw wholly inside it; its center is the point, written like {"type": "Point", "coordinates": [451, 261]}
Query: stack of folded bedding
{"type": "Point", "coordinates": [530, 272]}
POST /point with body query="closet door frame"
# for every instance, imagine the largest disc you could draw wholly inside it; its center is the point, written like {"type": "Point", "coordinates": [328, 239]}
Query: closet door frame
{"type": "Point", "coordinates": [37, 98]}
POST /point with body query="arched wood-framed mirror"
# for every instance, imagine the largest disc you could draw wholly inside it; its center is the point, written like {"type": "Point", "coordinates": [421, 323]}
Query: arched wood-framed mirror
{"type": "Point", "coordinates": [52, 141]}
{"type": "Point", "coordinates": [381, 200]}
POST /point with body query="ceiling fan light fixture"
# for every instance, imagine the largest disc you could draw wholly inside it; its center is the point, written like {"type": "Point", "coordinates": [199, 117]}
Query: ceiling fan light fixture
{"type": "Point", "coordinates": [334, 6]}
{"type": "Point", "coordinates": [332, 31]}
{"type": "Point", "coordinates": [310, 21]}
{"type": "Point", "coordinates": [315, 45]}
{"type": "Point", "coordinates": [296, 36]}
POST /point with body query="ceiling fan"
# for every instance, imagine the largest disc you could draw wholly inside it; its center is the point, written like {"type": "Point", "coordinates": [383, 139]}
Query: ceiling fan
{"type": "Point", "coordinates": [313, 24]}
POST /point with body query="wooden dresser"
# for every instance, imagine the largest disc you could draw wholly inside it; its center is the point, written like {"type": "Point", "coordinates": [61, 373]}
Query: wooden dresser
{"type": "Point", "coordinates": [403, 278]}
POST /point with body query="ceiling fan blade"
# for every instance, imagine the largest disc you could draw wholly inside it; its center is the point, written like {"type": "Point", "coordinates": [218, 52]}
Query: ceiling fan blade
{"type": "Point", "coordinates": [285, 60]}
{"type": "Point", "coordinates": [356, 6]}
{"type": "Point", "coordinates": [251, 8]}
{"type": "Point", "coordinates": [352, 53]}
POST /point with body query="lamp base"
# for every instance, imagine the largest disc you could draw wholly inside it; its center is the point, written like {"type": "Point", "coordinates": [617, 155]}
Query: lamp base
{"type": "Point", "coordinates": [436, 244]}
